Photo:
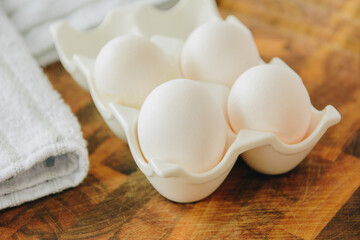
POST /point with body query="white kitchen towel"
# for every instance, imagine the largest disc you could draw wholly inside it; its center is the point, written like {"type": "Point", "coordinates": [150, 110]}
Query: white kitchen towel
{"type": "Point", "coordinates": [42, 150]}
{"type": "Point", "coordinates": [33, 18]}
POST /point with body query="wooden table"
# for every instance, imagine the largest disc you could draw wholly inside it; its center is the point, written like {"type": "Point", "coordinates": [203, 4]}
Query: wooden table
{"type": "Point", "coordinates": [319, 199]}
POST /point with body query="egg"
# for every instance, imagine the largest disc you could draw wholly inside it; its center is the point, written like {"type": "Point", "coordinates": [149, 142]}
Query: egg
{"type": "Point", "coordinates": [182, 123]}
{"type": "Point", "coordinates": [129, 67]}
{"type": "Point", "coordinates": [218, 52]}
{"type": "Point", "coordinates": [273, 99]}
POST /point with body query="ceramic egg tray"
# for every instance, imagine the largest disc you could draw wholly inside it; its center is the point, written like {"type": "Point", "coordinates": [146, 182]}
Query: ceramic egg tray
{"type": "Point", "coordinates": [262, 151]}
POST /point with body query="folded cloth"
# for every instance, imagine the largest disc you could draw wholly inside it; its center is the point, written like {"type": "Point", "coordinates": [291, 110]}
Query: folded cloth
{"type": "Point", "coordinates": [33, 18]}
{"type": "Point", "coordinates": [42, 150]}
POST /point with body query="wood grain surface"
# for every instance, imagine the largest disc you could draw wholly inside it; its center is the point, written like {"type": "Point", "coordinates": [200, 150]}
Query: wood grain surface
{"type": "Point", "coordinates": [319, 39]}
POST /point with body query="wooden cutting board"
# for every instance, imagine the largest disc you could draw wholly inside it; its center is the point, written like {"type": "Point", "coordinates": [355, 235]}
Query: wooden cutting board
{"type": "Point", "coordinates": [319, 199]}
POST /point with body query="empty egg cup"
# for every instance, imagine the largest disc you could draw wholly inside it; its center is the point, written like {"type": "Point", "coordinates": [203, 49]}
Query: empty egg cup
{"type": "Point", "coordinates": [262, 151]}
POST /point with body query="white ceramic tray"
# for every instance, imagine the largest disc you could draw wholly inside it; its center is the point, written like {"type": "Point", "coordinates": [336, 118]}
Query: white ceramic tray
{"type": "Point", "coordinates": [262, 151]}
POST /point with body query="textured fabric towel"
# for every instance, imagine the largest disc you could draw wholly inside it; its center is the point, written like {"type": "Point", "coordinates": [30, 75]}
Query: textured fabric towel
{"type": "Point", "coordinates": [42, 150]}
{"type": "Point", "coordinates": [33, 18]}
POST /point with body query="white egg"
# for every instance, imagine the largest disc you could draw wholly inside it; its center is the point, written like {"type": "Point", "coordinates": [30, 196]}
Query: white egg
{"type": "Point", "coordinates": [218, 52]}
{"type": "Point", "coordinates": [129, 67]}
{"type": "Point", "coordinates": [273, 99]}
{"type": "Point", "coordinates": [180, 122]}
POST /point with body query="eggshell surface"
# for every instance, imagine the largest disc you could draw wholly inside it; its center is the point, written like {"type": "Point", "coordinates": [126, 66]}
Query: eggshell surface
{"type": "Point", "coordinates": [180, 122]}
{"type": "Point", "coordinates": [218, 52]}
{"type": "Point", "coordinates": [273, 99]}
{"type": "Point", "coordinates": [129, 67]}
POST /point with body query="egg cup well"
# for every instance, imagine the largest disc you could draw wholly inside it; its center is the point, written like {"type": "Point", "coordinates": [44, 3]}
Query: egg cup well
{"type": "Point", "coordinates": [262, 151]}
